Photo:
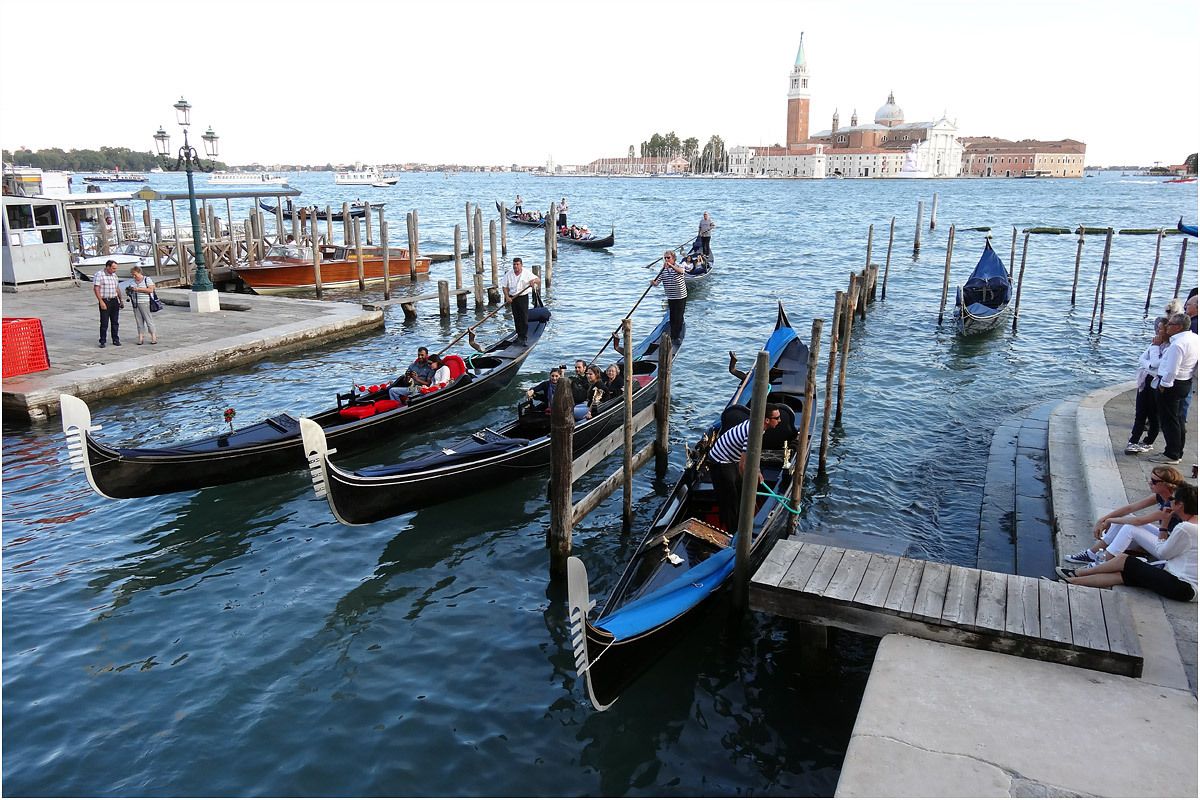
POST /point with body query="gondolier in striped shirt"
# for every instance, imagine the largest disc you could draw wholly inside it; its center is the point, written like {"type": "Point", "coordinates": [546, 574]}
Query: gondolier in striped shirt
{"type": "Point", "coordinates": [727, 462]}
{"type": "Point", "coordinates": [671, 277]}
{"type": "Point", "coordinates": [515, 282]}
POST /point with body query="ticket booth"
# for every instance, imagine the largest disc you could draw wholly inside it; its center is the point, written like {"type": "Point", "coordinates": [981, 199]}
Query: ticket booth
{"type": "Point", "coordinates": [35, 243]}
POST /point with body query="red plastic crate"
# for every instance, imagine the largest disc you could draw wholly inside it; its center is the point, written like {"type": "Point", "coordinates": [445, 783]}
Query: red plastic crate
{"type": "Point", "coordinates": [24, 346]}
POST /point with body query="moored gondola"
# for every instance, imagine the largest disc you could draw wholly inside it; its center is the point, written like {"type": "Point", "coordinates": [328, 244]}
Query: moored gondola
{"type": "Point", "coordinates": [487, 458]}
{"type": "Point", "coordinates": [537, 220]}
{"type": "Point", "coordinates": [357, 422]}
{"type": "Point", "coordinates": [356, 211]}
{"type": "Point", "coordinates": [685, 558]}
{"type": "Point", "coordinates": [981, 301]}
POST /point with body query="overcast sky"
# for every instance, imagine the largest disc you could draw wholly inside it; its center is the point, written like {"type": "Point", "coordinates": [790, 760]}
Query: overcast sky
{"type": "Point", "coordinates": [469, 82]}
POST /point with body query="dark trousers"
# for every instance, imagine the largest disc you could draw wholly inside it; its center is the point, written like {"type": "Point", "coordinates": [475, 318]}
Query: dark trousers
{"type": "Point", "coordinates": [110, 317]}
{"type": "Point", "coordinates": [677, 307]}
{"type": "Point", "coordinates": [520, 312]}
{"type": "Point", "coordinates": [727, 485]}
{"type": "Point", "coordinates": [562, 220]}
{"type": "Point", "coordinates": [1145, 413]}
{"type": "Point", "coordinates": [1170, 417]}
{"type": "Point", "coordinates": [706, 244]}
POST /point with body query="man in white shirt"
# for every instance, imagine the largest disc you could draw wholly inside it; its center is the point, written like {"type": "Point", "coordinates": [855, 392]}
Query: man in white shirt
{"type": "Point", "coordinates": [107, 289]}
{"type": "Point", "coordinates": [517, 285]}
{"type": "Point", "coordinates": [1176, 370]}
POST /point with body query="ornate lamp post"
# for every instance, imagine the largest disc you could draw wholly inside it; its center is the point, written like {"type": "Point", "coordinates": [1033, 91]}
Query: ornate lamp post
{"type": "Point", "coordinates": [204, 296]}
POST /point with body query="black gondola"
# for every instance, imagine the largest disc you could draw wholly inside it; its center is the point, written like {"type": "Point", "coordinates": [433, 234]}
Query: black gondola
{"type": "Point", "coordinates": [685, 558]}
{"type": "Point", "coordinates": [981, 301]}
{"type": "Point", "coordinates": [590, 241]}
{"type": "Point", "coordinates": [486, 459]}
{"type": "Point", "coordinates": [359, 421]}
{"type": "Point", "coordinates": [355, 211]}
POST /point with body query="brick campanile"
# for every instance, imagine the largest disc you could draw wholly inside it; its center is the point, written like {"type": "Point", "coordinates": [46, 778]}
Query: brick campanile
{"type": "Point", "coordinates": [798, 96]}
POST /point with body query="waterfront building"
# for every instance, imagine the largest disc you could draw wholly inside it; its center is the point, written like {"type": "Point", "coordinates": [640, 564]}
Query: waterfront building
{"type": "Point", "coordinates": [647, 165]}
{"type": "Point", "coordinates": [989, 157]}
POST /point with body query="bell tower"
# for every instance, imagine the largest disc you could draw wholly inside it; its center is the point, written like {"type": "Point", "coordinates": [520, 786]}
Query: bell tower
{"type": "Point", "coordinates": [798, 97]}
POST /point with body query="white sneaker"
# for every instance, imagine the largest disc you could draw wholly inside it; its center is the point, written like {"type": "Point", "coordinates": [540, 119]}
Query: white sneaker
{"type": "Point", "coordinates": [1133, 448]}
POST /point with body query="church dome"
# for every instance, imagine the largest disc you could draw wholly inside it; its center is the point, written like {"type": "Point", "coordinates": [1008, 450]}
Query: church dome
{"type": "Point", "coordinates": [889, 113]}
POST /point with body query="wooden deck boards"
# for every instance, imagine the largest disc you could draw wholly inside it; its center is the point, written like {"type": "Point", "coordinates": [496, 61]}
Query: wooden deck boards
{"type": "Point", "coordinates": [880, 594]}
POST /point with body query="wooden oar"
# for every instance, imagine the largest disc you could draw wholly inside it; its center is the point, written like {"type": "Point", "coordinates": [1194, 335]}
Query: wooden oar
{"type": "Point", "coordinates": [678, 247]}
{"type": "Point", "coordinates": [471, 330]}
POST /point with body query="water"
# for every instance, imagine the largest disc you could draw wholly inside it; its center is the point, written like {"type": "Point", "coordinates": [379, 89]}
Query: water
{"type": "Point", "coordinates": [237, 640]}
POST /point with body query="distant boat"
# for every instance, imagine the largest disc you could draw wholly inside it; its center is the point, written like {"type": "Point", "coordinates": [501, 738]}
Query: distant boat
{"type": "Point", "coordinates": [982, 300]}
{"type": "Point", "coordinates": [355, 211]}
{"type": "Point", "coordinates": [247, 178]}
{"type": "Point", "coordinates": [1181, 180]}
{"type": "Point", "coordinates": [369, 176]}
{"type": "Point", "coordinates": [115, 177]}
{"type": "Point", "coordinates": [1190, 230]}
{"type": "Point", "coordinates": [583, 238]}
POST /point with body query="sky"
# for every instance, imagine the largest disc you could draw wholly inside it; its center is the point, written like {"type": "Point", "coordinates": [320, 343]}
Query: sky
{"type": "Point", "coordinates": [474, 82]}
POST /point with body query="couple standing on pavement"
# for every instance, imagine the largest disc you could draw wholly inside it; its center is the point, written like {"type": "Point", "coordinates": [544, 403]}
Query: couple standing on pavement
{"type": "Point", "coordinates": [107, 289]}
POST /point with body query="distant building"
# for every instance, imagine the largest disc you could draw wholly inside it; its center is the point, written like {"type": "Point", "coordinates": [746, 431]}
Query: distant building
{"type": "Point", "coordinates": [890, 147]}
{"type": "Point", "coordinates": [989, 157]}
{"type": "Point", "coordinates": [644, 165]}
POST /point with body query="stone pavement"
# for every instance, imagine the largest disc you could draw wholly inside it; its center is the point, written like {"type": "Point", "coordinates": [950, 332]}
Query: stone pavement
{"type": "Point", "coordinates": [247, 328]}
{"type": "Point", "coordinates": [939, 720]}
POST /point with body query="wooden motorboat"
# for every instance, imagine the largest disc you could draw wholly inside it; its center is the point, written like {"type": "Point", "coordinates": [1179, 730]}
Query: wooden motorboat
{"type": "Point", "coordinates": [359, 421]}
{"type": "Point", "coordinates": [458, 469]}
{"type": "Point", "coordinates": [685, 559]}
{"type": "Point", "coordinates": [288, 267]}
{"type": "Point", "coordinates": [981, 302]}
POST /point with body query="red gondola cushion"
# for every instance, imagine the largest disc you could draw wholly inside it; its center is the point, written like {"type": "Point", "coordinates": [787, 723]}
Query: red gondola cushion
{"type": "Point", "coordinates": [385, 405]}
{"type": "Point", "coordinates": [357, 412]}
{"type": "Point", "coordinates": [456, 364]}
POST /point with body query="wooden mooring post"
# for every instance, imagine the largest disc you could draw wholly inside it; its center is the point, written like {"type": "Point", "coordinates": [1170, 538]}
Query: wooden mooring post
{"type": "Point", "coordinates": [468, 231]}
{"type": "Point", "coordinates": [458, 269]}
{"type": "Point", "coordinates": [1078, 260]}
{"type": "Point", "coordinates": [933, 212]}
{"type": "Point", "coordinates": [358, 255]}
{"type": "Point", "coordinates": [887, 265]}
{"type": "Point", "coordinates": [834, 335]}
{"type": "Point", "coordinates": [870, 241]}
{"type": "Point", "coordinates": [562, 519]}
{"type": "Point", "coordinates": [758, 411]}
{"type": "Point", "coordinates": [387, 259]}
{"type": "Point", "coordinates": [848, 321]}
{"type": "Point", "coordinates": [412, 240]}
{"type": "Point", "coordinates": [627, 487]}
{"type": "Point", "coordinates": [548, 248]}
{"type": "Point", "coordinates": [803, 435]}
{"type": "Point", "coordinates": [662, 406]}
{"type": "Point", "coordinates": [1020, 283]}
{"type": "Point", "coordinates": [917, 237]}
{"type": "Point", "coordinates": [329, 224]}
{"type": "Point", "coordinates": [317, 271]}
{"type": "Point", "coordinates": [346, 218]}
{"type": "Point", "coordinates": [495, 257]}
{"type": "Point", "coordinates": [1153, 270]}
{"type": "Point", "coordinates": [1108, 238]}
{"type": "Point", "coordinates": [503, 229]}
{"type": "Point", "coordinates": [1012, 253]}
{"type": "Point", "coordinates": [1183, 247]}
{"type": "Point", "coordinates": [946, 275]}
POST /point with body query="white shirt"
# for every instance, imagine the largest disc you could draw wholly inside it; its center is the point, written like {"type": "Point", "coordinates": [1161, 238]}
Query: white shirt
{"type": "Point", "coordinates": [514, 283]}
{"type": "Point", "coordinates": [1179, 358]}
{"type": "Point", "coordinates": [1148, 364]}
{"type": "Point", "coordinates": [1179, 552]}
{"type": "Point", "coordinates": [442, 375]}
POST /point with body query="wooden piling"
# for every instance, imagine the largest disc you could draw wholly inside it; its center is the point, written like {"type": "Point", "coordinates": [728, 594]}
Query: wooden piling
{"type": "Point", "coordinates": [758, 411]}
{"type": "Point", "coordinates": [870, 241]}
{"type": "Point", "coordinates": [662, 406]}
{"type": "Point", "coordinates": [851, 300]}
{"type": "Point", "coordinates": [917, 238]}
{"type": "Point", "coordinates": [412, 241]}
{"type": "Point", "coordinates": [1153, 270]}
{"type": "Point", "coordinates": [1100, 277]}
{"type": "Point", "coordinates": [1103, 298]}
{"type": "Point", "coordinates": [547, 234]}
{"type": "Point", "coordinates": [1012, 253]}
{"type": "Point", "coordinates": [627, 349]}
{"type": "Point", "coordinates": [317, 271]}
{"type": "Point", "coordinates": [478, 286]}
{"type": "Point", "coordinates": [477, 228]}
{"type": "Point", "coordinates": [946, 275]}
{"type": "Point", "coordinates": [562, 432]}
{"type": "Point", "coordinates": [552, 224]}
{"type": "Point", "coordinates": [444, 298]}
{"type": "Point", "coordinates": [1078, 259]}
{"type": "Point", "coordinates": [458, 267]}
{"type": "Point", "coordinates": [1183, 246]}
{"type": "Point", "coordinates": [933, 212]}
{"type": "Point", "coordinates": [1020, 282]}
{"type": "Point", "coordinates": [387, 259]}
{"type": "Point", "coordinates": [329, 224]}
{"type": "Point", "coordinates": [469, 232]}
{"type": "Point", "coordinates": [367, 222]}
{"type": "Point", "coordinates": [347, 238]}
{"type": "Point", "coordinates": [492, 250]}
{"type": "Point", "coordinates": [416, 243]}
{"type": "Point", "coordinates": [296, 225]}
{"type": "Point", "coordinates": [358, 255]}
{"type": "Point", "coordinates": [503, 229]}
{"type": "Point", "coordinates": [834, 334]}
{"type": "Point", "coordinates": [803, 435]}
{"type": "Point", "coordinates": [887, 265]}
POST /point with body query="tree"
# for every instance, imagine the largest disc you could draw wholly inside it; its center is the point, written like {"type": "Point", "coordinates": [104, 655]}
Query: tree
{"type": "Point", "coordinates": [713, 157]}
{"type": "Point", "coordinates": [631, 152]}
{"type": "Point", "coordinates": [671, 145]}
{"type": "Point", "coordinates": [690, 146]}
{"type": "Point", "coordinates": [1189, 164]}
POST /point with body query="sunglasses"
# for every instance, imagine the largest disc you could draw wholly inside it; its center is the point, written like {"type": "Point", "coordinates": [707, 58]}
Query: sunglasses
{"type": "Point", "coordinates": [1154, 481]}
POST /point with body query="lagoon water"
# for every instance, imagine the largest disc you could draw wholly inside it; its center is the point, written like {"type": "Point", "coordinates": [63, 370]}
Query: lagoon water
{"type": "Point", "coordinates": [239, 641]}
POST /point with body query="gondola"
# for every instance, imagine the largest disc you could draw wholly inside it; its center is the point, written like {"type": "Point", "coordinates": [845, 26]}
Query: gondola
{"type": "Point", "coordinates": [591, 241]}
{"type": "Point", "coordinates": [685, 558]}
{"type": "Point", "coordinates": [355, 211]}
{"type": "Point", "coordinates": [698, 266]}
{"type": "Point", "coordinates": [357, 422]}
{"type": "Point", "coordinates": [1190, 230]}
{"type": "Point", "coordinates": [485, 459]}
{"type": "Point", "coordinates": [981, 302]}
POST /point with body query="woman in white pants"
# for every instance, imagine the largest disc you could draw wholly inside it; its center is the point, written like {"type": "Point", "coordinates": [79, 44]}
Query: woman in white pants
{"type": "Point", "coordinates": [139, 297]}
{"type": "Point", "coordinates": [1119, 527]}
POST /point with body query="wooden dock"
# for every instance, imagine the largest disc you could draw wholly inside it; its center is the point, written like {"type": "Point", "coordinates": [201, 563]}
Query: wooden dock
{"type": "Point", "coordinates": [878, 594]}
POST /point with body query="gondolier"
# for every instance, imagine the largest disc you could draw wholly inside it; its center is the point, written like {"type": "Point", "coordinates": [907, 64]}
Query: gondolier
{"type": "Point", "coordinates": [728, 461]}
{"type": "Point", "coordinates": [108, 295]}
{"type": "Point", "coordinates": [517, 204]}
{"type": "Point", "coordinates": [671, 277]}
{"type": "Point", "coordinates": [706, 229]}
{"type": "Point", "coordinates": [515, 282]}
{"type": "Point", "coordinates": [562, 213]}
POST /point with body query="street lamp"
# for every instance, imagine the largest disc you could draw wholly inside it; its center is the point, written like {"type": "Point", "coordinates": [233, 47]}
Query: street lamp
{"type": "Point", "coordinates": [189, 160]}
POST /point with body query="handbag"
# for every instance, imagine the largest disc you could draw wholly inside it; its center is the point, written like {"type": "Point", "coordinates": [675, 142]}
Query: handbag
{"type": "Point", "coordinates": [155, 303]}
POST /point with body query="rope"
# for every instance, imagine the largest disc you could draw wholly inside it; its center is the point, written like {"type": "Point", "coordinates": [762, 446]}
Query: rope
{"type": "Point", "coordinates": [783, 501]}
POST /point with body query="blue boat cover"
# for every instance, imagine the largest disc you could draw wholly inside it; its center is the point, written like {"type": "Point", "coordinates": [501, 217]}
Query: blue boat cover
{"type": "Point", "coordinates": [672, 600]}
{"type": "Point", "coordinates": [1190, 230]}
{"type": "Point", "coordinates": [989, 268]}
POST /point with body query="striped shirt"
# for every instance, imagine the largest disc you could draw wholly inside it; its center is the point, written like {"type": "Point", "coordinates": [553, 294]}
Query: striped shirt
{"type": "Point", "coordinates": [109, 285]}
{"type": "Point", "coordinates": [730, 445]}
{"type": "Point", "coordinates": [673, 283]}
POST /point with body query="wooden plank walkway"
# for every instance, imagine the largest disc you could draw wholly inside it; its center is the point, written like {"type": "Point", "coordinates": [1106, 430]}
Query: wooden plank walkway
{"type": "Point", "coordinates": [878, 594]}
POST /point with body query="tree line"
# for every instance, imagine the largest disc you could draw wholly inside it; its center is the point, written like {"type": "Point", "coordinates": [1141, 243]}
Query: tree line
{"type": "Point", "coordinates": [709, 158]}
{"type": "Point", "coordinates": [55, 159]}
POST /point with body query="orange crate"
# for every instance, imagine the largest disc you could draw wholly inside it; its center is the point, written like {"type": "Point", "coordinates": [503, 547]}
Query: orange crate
{"type": "Point", "coordinates": [24, 346]}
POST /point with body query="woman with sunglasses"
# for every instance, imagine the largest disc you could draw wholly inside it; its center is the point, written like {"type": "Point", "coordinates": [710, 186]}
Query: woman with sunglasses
{"type": "Point", "coordinates": [1154, 524]}
{"type": "Point", "coordinates": [1172, 575]}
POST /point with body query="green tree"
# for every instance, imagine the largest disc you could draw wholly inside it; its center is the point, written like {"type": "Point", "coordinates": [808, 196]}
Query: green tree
{"type": "Point", "coordinates": [690, 146]}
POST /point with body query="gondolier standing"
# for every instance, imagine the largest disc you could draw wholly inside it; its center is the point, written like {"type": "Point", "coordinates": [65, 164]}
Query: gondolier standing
{"type": "Point", "coordinates": [671, 277]}
{"type": "Point", "coordinates": [706, 228]}
{"type": "Point", "coordinates": [562, 213]}
{"type": "Point", "coordinates": [515, 282]}
{"type": "Point", "coordinates": [517, 204]}
{"type": "Point", "coordinates": [108, 295]}
{"type": "Point", "coordinates": [727, 460]}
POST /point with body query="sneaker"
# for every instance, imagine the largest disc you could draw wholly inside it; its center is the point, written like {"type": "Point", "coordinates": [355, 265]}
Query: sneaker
{"type": "Point", "coordinates": [1064, 573]}
{"type": "Point", "coordinates": [116, 342]}
{"type": "Point", "coordinates": [1082, 557]}
{"type": "Point", "coordinates": [1134, 448]}
{"type": "Point", "coordinates": [102, 344]}
{"type": "Point", "coordinates": [1165, 459]}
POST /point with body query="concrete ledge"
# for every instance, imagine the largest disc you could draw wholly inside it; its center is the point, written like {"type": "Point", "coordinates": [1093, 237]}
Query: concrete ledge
{"type": "Point", "coordinates": [938, 720]}
{"type": "Point", "coordinates": [1105, 489]}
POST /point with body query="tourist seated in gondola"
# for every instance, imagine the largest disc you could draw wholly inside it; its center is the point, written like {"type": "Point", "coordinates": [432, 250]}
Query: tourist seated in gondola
{"type": "Point", "coordinates": [418, 375]}
{"type": "Point", "coordinates": [542, 395]}
{"type": "Point", "coordinates": [614, 383]}
{"type": "Point", "coordinates": [597, 393]}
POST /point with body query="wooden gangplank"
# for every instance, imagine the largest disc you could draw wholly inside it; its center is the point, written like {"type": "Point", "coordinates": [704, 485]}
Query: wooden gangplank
{"type": "Point", "coordinates": [878, 594]}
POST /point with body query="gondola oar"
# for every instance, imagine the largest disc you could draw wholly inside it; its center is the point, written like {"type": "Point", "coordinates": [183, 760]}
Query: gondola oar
{"type": "Point", "coordinates": [470, 332]}
{"type": "Point", "coordinates": [677, 247]}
